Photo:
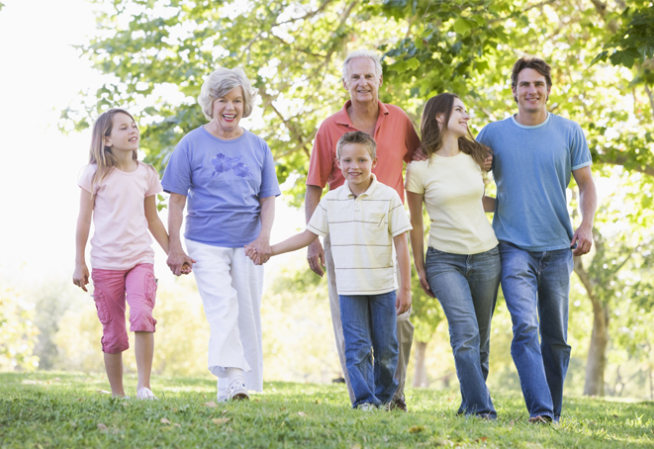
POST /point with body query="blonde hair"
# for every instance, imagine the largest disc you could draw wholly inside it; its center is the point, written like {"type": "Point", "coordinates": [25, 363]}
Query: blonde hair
{"type": "Point", "coordinates": [100, 154]}
{"type": "Point", "coordinates": [219, 83]}
{"type": "Point", "coordinates": [358, 137]}
{"type": "Point", "coordinates": [432, 136]}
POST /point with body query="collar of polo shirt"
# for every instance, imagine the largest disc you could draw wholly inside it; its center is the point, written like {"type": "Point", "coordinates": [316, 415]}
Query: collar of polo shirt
{"type": "Point", "coordinates": [347, 193]}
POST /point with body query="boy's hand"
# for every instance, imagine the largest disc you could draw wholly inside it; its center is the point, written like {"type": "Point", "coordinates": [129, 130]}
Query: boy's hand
{"type": "Point", "coordinates": [403, 301]}
{"type": "Point", "coordinates": [81, 276]}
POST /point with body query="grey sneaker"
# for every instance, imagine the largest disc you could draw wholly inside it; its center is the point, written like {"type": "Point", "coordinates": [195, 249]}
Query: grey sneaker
{"type": "Point", "coordinates": [366, 407]}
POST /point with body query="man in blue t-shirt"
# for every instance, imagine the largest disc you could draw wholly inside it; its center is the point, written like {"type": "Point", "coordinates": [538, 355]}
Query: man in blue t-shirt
{"type": "Point", "coordinates": [535, 152]}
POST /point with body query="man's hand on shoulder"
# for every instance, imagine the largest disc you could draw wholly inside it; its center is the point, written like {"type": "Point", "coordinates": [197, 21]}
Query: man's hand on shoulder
{"type": "Point", "coordinates": [419, 155]}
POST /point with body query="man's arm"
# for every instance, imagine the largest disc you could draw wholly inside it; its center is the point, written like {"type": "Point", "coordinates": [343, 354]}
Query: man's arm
{"type": "Point", "coordinates": [583, 236]}
{"type": "Point", "coordinates": [315, 253]}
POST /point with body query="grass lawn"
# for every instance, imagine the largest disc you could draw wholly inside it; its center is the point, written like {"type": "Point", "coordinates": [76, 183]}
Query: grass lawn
{"type": "Point", "coordinates": [64, 410]}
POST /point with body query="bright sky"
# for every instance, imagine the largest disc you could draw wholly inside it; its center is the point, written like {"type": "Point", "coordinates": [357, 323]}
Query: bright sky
{"type": "Point", "coordinates": [41, 74]}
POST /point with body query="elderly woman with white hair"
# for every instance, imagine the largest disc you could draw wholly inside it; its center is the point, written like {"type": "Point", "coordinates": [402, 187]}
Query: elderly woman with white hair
{"type": "Point", "coordinates": [228, 175]}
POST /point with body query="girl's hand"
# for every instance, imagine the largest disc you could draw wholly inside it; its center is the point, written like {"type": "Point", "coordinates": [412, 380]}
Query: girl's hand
{"type": "Point", "coordinates": [186, 268]}
{"type": "Point", "coordinates": [177, 260]}
{"type": "Point", "coordinates": [261, 247]}
{"type": "Point", "coordinates": [81, 276]}
{"type": "Point", "coordinates": [424, 284]}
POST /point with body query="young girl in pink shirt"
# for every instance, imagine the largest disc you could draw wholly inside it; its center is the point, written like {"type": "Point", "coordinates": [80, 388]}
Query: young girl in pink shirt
{"type": "Point", "coordinates": [118, 193]}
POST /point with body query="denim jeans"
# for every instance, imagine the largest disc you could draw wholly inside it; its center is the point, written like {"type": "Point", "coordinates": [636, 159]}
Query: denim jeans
{"type": "Point", "coordinates": [536, 286]}
{"type": "Point", "coordinates": [466, 286]}
{"type": "Point", "coordinates": [370, 321]}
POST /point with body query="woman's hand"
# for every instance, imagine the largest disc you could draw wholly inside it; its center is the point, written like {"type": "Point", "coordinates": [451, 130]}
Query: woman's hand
{"type": "Point", "coordinates": [179, 262]}
{"type": "Point", "coordinates": [424, 284]}
{"type": "Point", "coordinates": [81, 276]}
{"type": "Point", "coordinates": [261, 250]}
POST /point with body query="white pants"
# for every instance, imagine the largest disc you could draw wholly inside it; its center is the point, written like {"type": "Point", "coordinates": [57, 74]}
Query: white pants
{"type": "Point", "coordinates": [231, 285]}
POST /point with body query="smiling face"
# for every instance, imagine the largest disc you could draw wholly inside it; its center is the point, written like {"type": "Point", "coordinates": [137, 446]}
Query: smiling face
{"type": "Point", "coordinates": [124, 134]}
{"type": "Point", "coordinates": [458, 122]}
{"type": "Point", "coordinates": [362, 81]}
{"type": "Point", "coordinates": [227, 111]}
{"type": "Point", "coordinates": [356, 165]}
{"type": "Point", "coordinates": [531, 91]}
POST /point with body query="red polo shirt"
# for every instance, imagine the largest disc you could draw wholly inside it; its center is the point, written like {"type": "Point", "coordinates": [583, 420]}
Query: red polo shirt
{"type": "Point", "coordinates": [396, 141]}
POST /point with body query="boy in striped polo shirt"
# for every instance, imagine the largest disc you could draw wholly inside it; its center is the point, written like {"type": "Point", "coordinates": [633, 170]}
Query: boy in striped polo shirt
{"type": "Point", "coordinates": [364, 219]}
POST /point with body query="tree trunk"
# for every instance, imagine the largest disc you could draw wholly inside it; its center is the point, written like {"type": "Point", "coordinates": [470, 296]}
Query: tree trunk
{"type": "Point", "coordinates": [420, 374]}
{"type": "Point", "coordinates": [599, 340]}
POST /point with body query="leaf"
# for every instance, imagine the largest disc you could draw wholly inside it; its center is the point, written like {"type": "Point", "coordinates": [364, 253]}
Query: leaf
{"type": "Point", "coordinates": [416, 429]}
{"type": "Point", "coordinates": [101, 426]}
{"type": "Point", "coordinates": [462, 26]}
{"type": "Point", "coordinates": [221, 421]}
{"type": "Point", "coordinates": [601, 57]}
{"type": "Point", "coordinates": [210, 404]}
{"type": "Point", "coordinates": [164, 421]}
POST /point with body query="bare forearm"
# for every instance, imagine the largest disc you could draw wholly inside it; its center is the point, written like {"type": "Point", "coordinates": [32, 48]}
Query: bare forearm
{"type": "Point", "coordinates": [588, 201]}
{"type": "Point", "coordinates": [311, 200]}
{"type": "Point", "coordinates": [404, 261]}
{"type": "Point", "coordinates": [159, 233]}
{"type": "Point", "coordinates": [267, 215]}
{"type": "Point", "coordinates": [294, 243]}
{"type": "Point", "coordinates": [81, 237]}
{"type": "Point", "coordinates": [418, 246]}
{"type": "Point", "coordinates": [175, 217]}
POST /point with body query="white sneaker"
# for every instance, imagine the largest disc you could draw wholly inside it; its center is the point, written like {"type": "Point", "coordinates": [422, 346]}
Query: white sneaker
{"type": "Point", "coordinates": [366, 407]}
{"type": "Point", "coordinates": [237, 390]}
{"type": "Point", "coordinates": [145, 394]}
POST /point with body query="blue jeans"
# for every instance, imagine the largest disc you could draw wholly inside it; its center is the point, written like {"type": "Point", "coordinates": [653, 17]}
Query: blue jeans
{"type": "Point", "coordinates": [370, 321]}
{"type": "Point", "coordinates": [466, 286]}
{"type": "Point", "coordinates": [536, 286]}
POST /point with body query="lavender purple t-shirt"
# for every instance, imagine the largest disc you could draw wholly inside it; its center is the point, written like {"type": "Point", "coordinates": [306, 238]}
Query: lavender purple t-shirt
{"type": "Point", "coordinates": [223, 181]}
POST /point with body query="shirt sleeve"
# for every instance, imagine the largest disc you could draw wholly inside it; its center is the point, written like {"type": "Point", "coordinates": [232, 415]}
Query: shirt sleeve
{"type": "Point", "coordinates": [412, 139]}
{"type": "Point", "coordinates": [178, 175]}
{"type": "Point", "coordinates": [398, 222]}
{"type": "Point", "coordinates": [321, 162]}
{"type": "Point", "coordinates": [319, 223]}
{"type": "Point", "coordinates": [154, 185]}
{"type": "Point", "coordinates": [269, 184]}
{"type": "Point", "coordinates": [579, 152]}
{"type": "Point", "coordinates": [414, 181]}
{"type": "Point", "coordinates": [85, 179]}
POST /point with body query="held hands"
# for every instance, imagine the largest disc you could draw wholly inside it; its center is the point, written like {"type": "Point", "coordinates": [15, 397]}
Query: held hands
{"type": "Point", "coordinates": [259, 250]}
{"type": "Point", "coordinates": [81, 276]}
{"type": "Point", "coordinates": [419, 155]}
{"type": "Point", "coordinates": [403, 301]}
{"type": "Point", "coordinates": [583, 237]}
{"type": "Point", "coordinates": [179, 263]}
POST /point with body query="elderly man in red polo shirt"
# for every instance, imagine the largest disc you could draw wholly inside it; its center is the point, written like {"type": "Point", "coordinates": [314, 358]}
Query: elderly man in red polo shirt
{"type": "Point", "coordinates": [396, 142]}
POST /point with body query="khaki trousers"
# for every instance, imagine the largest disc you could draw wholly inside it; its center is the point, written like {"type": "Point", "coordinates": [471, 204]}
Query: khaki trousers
{"type": "Point", "coordinates": [404, 329]}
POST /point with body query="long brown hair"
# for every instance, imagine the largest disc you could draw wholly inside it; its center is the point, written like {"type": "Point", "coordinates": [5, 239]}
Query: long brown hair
{"type": "Point", "coordinates": [99, 153]}
{"type": "Point", "coordinates": [432, 135]}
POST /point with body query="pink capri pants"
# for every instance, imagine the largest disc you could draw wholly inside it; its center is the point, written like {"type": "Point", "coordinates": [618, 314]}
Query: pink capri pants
{"type": "Point", "coordinates": [110, 290]}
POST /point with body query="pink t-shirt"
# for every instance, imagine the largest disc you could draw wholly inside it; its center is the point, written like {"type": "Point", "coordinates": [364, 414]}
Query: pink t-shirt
{"type": "Point", "coordinates": [121, 239]}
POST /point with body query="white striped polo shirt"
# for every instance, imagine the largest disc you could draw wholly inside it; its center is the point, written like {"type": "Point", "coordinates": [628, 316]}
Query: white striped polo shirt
{"type": "Point", "coordinates": [361, 233]}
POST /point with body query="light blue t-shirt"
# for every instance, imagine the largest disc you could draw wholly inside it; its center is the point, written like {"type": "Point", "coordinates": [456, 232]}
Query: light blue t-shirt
{"type": "Point", "coordinates": [532, 166]}
{"type": "Point", "coordinates": [223, 181]}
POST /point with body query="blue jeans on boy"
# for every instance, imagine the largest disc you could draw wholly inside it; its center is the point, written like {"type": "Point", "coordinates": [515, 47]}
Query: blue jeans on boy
{"type": "Point", "coordinates": [466, 286]}
{"type": "Point", "coordinates": [536, 286]}
{"type": "Point", "coordinates": [370, 321]}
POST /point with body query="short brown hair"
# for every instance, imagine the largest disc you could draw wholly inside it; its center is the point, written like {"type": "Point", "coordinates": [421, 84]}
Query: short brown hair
{"type": "Point", "coordinates": [531, 63]}
{"type": "Point", "coordinates": [357, 137]}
